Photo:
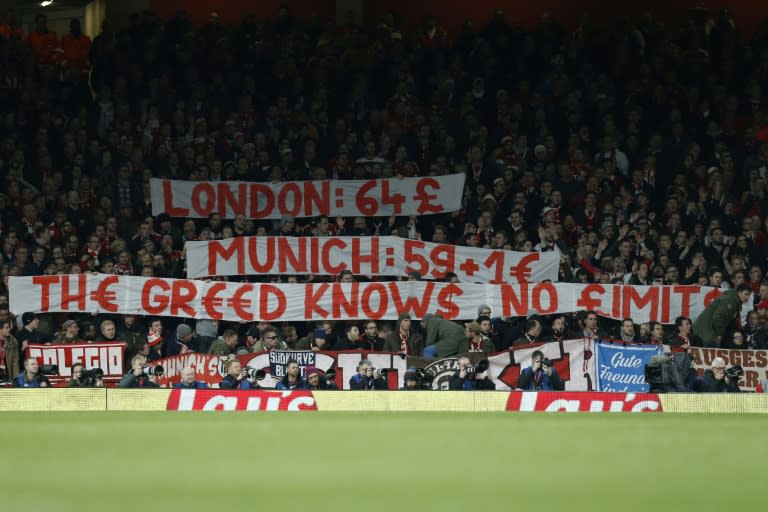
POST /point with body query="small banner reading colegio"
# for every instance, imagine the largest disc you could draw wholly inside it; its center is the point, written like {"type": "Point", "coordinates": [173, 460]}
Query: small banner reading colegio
{"type": "Point", "coordinates": [754, 363]}
{"type": "Point", "coordinates": [372, 256]}
{"type": "Point", "coordinates": [107, 356]}
{"type": "Point", "coordinates": [622, 367]}
{"type": "Point", "coordinates": [348, 198]}
{"type": "Point", "coordinates": [247, 302]}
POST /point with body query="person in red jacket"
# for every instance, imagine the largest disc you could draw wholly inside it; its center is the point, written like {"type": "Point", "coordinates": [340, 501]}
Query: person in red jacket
{"type": "Point", "coordinates": [44, 42]}
{"type": "Point", "coordinates": [76, 46]}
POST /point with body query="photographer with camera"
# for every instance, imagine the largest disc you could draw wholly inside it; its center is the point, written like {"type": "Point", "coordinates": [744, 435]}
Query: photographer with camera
{"type": "Point", "coordinates": [540, 376]}
{"type": "Point", "coordinates": [238, 377]}
{"type": "Point", "coordinates": [720, 380]}
{"type": "Point", "coordinates": [32, 376]}
{"type": "Point", "coordinates": [318, 381]}
{"type": "Point", "coordinates": [368, 378]}
{"type": "Point", "coordinates": [188, 380]}
{"type": "Point", "coordinates": [470, 378]}
{"type": "Point", "coordinates": [141, 375]}
{"type": "Point", "coordinates": [411, 382]}
{"type": "Point", "coordinates": [82, 378]}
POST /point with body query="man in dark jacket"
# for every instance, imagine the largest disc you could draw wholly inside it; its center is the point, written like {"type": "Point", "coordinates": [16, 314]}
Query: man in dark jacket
{"type": "Point", "coordinates": [713, 322]}
{"type": "Point", "coordinates": [716, 381]}
{"type": "Point", "coordinates": [467, 379]}
{"type": "Point", "coordinates": [188, 380]}
{"type": "Point", "coordinates": [292, 379]}
{"type": "Point", "coordinates": [367, 378]}
{"type": "Point", "coordinates": [443, 337]}
{"type": "Point", "coordinates": [136, 378]}
{"type": "Point", "coordinates": [236, 377]}
{"type": "Point", "coordinates": [540, 376]}
{"type": "Point", "coordinates": [404, 340]}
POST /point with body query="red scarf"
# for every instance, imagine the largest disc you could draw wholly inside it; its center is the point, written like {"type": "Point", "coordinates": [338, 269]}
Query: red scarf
{"type": "Point", "coordinates": [404, 342]}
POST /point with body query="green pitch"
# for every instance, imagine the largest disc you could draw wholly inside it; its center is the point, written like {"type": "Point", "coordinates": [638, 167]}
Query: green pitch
{"type": "Point", "coordinates": [367, 462]}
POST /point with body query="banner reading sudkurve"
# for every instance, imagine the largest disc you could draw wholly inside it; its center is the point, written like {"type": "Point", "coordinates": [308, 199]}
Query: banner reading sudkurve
{"type": "Point", "coordinates": [349, 198]}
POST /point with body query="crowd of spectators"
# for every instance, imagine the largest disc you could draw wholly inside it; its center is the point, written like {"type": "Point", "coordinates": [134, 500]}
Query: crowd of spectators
{"type": "Point", "coordinates": [639, 151]}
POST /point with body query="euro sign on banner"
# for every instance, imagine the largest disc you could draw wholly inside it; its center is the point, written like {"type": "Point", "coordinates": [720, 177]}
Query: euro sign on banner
{"type": "Point", "coordinates": [622, 367]}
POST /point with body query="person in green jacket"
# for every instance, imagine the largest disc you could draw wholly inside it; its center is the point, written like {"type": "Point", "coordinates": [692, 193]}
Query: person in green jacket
{"type": "Point", "coordinates": [224, 345]}
{"type": "Point", "coordinates": [443, 337]}
{"type": "Point", "coordinates": [712, 323]}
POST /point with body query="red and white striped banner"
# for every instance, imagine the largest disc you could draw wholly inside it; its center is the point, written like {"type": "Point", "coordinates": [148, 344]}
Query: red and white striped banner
{"type": "Point", "coordinates": [246, 302]}
{"type": "Point", "coordinates": [366, 255]}
{"type": "Point", "coordinates": [348, 198]}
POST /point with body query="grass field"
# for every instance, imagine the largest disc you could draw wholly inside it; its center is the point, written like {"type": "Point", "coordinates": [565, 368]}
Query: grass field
{"type": "Point", "coordinates": [375, 461]}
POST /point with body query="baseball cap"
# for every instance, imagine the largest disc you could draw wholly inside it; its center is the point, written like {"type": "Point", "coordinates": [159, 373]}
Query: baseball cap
{"type": "Point", "coordinates": [28, 318]}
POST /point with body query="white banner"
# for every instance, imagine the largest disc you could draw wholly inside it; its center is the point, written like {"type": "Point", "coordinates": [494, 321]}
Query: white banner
{"type": "Point", "coordinates": [100, 293]}
{"type": "Point", "coordinates": [348, 198]}
{"type": "Point", "coordinates": [366, 255]}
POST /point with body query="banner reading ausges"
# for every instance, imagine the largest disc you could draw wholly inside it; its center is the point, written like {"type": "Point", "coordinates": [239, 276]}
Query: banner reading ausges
{"type": "Point", "coordinates": [107, 356]}
{"type": "Point", "coordinates": [247, 302]}
{"type": "Point", "coordinates": [348, 198]}
{"type": "Point", "coordinates": [371, 256]}
{"type": "Point", "coordinates": [754, 363]}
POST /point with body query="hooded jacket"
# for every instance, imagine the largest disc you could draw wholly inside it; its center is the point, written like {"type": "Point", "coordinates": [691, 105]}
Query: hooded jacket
{"type": "Point", "coordinates": [448, 337]}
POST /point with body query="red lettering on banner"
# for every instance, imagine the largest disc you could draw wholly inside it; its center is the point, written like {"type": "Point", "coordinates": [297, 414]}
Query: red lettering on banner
{"type": "Point", "coordinates": [182, 294]}
{"type": "Point", "coordinates": [513, 304]}
{"type": "Point", "coordinates": [419, 306]}
{"type": "Point", "coordinates": [368, 206]}
{"type": "Point", "coordinates": [104, 296]}
{"type": "Point", "coordinates": [522, 271]}
{"type": "Point", "coordinates": [616, 303]}
{"type": "Point", "coordinates": [227, 199]}
{"type": "Point", "coordinates": [168, 207]}
{"type": "Point", "coordinates": [411, 256]}
{"type": "Point", "coordinates": [257, 190]}
{"type": "Point", "coordinates": [396, 200]}
{"type": "Point", "coordinates": [531, 401]}
{"type": "Point", "coordinates": [760, 359]}
{"type": "Point", "coordinates": [447, 308]}
{"type": "Point", "coordinates": [341, 301]}
{"type": "Point", "coordinates": [585, 300]}
{"type": "Point", "coordinates": [297, 260]}
{"type": "Point", "coordinates": [552, 299]}
{"type": "Point", "coordinates": [712, 295]}
{"type": "Point", "coordinates": [219, 253]}
{"type": "Point", "coordinates": [317, 199]}
{"type": "Point", "coordinates": [253, 254]}
{"type": "Point", "coordinates": [367, 301]}
{"type": "Point", "coordinates": [236, 400]}
{"type": "Point", "coordinates": [328, 266]}
{"type": "Point", "coordinates": [494, 260]}
{"type": "Point", "coordinates": [444, 258]}
{"type": "Point", "coordinates": [161, 301]}
{"type": "Point", "coordinates": [265, 291]}
{"type": "Point", "coordinates": [314, 255]}
{"type": "Point", "coordinates": [312, 296]}
{"type": "Point", "coordinates": [282, 199]}
{"type": "Point", "coordinates": [665, 291]}
{"type": "Point", "coordinates": [686, 292]}
{"type": "Point", "coordinates": [77, 297]}
{"type": "Point", "coordinates": [425, 198]}
{"type": "Point", "coordinates": [212, 302]}
{"type": "Point", "coordinates": [45, 293]}
{"type": "Point", "coordinates": [239, 304]}
{"type": "Point", "coordinates": [200, 190]}
{"type": "Point", "coordinates": [358, 258]}
{"type": "Point", "coordinates": [633, 299]}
